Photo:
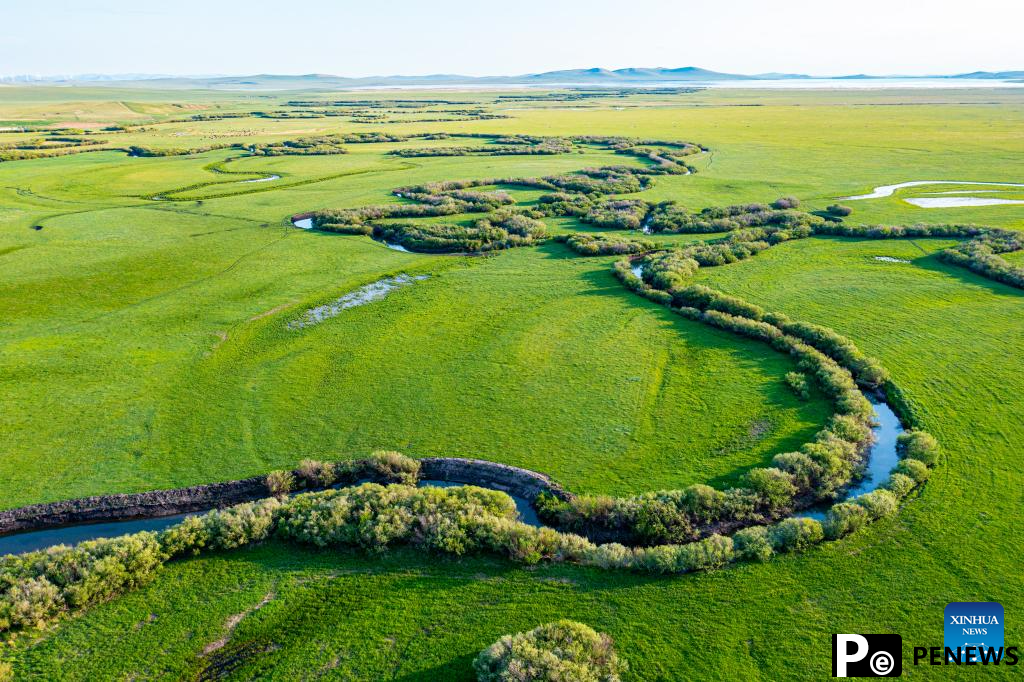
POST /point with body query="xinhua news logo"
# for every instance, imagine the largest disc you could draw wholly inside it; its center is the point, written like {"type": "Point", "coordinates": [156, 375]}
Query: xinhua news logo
{"type": "Point", "coordinates": [975, 629]}
{"type": "Point", "coordinates": [867, 655]}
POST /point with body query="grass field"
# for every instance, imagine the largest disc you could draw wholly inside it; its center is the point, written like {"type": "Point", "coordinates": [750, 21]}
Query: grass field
{"type": "Point", "coordinates": [144, 344]}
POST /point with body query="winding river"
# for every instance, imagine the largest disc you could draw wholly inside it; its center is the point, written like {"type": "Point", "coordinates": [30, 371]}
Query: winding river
{"type": "Point", "coordinates": [942, 202]}
{"type": "Point", "coordinates": [881, 459]}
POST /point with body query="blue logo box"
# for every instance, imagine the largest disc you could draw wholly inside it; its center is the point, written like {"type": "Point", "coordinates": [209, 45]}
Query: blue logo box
{"type": "Point", "coordinates": [976, 624]}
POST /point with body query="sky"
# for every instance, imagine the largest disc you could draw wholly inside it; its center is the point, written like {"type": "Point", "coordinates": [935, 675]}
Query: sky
{"type": "Point", "coordinates": [474, 37]}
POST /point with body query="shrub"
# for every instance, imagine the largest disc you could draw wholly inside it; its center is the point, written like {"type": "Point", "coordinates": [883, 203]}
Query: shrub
{"type": "Point", "coordinates": [795, 534]}
{"type": "Point", "coordinates": [919, 445]}
{"type": "Point", "coordinates": [608, 556]}
{"type": "Point", "coordinates": [878, 503]}
{"type": "Point", "coordinates": [602, 245]}
{"type": "Point", "coordinates": [702, 502]}
{"type": "Point", "coordinates": [316, 474]}
{"type": "Point", "coordinates": [394, 466]}
{"type": "Point", "coordinates": [797, 382]}
{"type": "Point", "coordinates": [280, 483]}
{"type": "Point", "coordinates": [30, 603]}
{"type": "Point", "coordinates": [6, 672]}
{"type": "Point", "coordinates": [900, 484]}
{"type": "Point", "coordinates": [241, 524]}
{"type": "Point", "coordinates": [563, 650]}
{"type": "Point", "coordinates": [659, 522]}
{"type": "Point", "coordinates": [773, 487]}
{"type": "Point", "coordinates": [839, 210]}
{"type": "Point", "coordinates": [805, 472]}
{"type": "Point", "coordinates": [752, 544]}
{"type": "Point", "coordinates": [786, 203]}
{"type": "Point", "coordinates": [711, 552]}
{"type": "Point", "coordinates": [913, 468]}
{"type": "Point", "coordinates": [844, 518]}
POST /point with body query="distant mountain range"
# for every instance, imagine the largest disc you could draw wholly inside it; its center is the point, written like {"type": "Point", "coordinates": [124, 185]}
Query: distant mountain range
{"type": "Point", "coordinates": [594, 76]}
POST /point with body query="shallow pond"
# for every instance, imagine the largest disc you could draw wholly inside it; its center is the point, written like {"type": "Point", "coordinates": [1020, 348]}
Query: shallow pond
{"type": "Point", "coordinates": [955, 202]}
{"type": "Point", "coordinates": [367, 293]}
{"type": "Point", "coordinates": [890, 259]}
{"type": "Point", "coordinates": [304, 223]}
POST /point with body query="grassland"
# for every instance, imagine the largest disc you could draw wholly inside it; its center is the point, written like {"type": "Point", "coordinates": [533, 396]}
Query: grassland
{"type": "Point", "coordinates": [145, 346]}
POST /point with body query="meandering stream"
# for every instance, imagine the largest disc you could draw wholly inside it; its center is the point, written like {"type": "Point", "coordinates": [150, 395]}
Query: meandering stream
{"type": "Point", "coordinates": [881, 458]}
{"type": "Point", "coordinates": [942, 202]}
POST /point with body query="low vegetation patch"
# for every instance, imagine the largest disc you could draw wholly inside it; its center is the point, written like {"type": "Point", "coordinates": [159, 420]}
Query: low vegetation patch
{"type": "Point", "coordinates": [602, 245]}
{"type": "Point", "coordinates": [563, 650]}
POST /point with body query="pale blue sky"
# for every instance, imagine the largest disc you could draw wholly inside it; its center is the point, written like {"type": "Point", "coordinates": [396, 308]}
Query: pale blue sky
{"type": "Point", "coordinates": [822, 37]}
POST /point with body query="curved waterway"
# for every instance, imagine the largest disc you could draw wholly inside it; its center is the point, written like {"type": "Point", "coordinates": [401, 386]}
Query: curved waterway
{"type": "Point", "coordinates": [266, 179]}
{"type": "Point", "coordinates": [391, 245]}
{"type": "Point", "coordinates": [881, 460]}
{"type": "Point", "coordinates": [943, 202]}
{"type": "Point", "coordinates": [31, 541]}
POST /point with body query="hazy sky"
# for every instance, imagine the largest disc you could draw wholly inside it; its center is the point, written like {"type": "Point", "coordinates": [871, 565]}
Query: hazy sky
{"type": "Point", "coordinates": [386, 37]}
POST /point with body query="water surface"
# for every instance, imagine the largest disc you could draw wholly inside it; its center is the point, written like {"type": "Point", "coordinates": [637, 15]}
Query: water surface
{"type": "Point", "coordinates": [31, 541]}
{"type": "Point", "coordinates": [882, 458]}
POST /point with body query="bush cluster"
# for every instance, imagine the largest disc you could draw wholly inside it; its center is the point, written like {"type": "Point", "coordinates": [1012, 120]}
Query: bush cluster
{"type": "Point", "coordinates": [324, 144]}
{"type": "Point", "coordinates": [602, 245]}
{"type": "Point", "coordinates": [502, 229]}
{"type": "Point", "coordinates": [670, 217]}
{"type": "Point", "coordinates": [563, 650]}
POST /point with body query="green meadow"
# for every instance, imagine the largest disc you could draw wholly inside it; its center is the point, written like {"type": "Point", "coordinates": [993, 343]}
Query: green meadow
{"type": "Point", "coordinates": [145, 344]}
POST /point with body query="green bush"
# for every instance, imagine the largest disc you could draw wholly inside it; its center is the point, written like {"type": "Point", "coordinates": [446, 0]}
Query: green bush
{"type": "Point", "coordinates": [844, 518]}
{"type": "Point", "coordinates": [280, 483]}
{"type": "Point", "coordinates": [37, 587]}
{"type": "Point", "coordinates": [603, 245]}
{"type": "Point", "coordinates": [658, 522]}
{"type": "Point", "coordinates": [913, 468]}
{"type": "Point", "coordinates": [797, 382]}
{"type": "Point", "coordinates": [316, 474]}
{"type": "Point", "coordinates": [773, 487]}
{"type": "Point", "coordinates": [710, 553]}
{"type": "Point", "coordinates": [702, 502]}
{"type": "Point", "coordinates": [563, 651]}
{"type": "Point", "coordinates": [795, 534]}
{"type": "Point", "coordinates": [805, 472]}
{"type": "Point", "coordinates": [839, 210]}
{"type": "Point", "coordinates": [919, 445]}
{"type": "Point", "coordinates": [394, 466]}
{"type": "Point", "coordinates": [752, 544]}
{"type": "Point", "coordinates": [878, 503]}
{"type": "Point", "coordinates": [786, 203]}
{"type": "Point", "coordinates": [900, 485]}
